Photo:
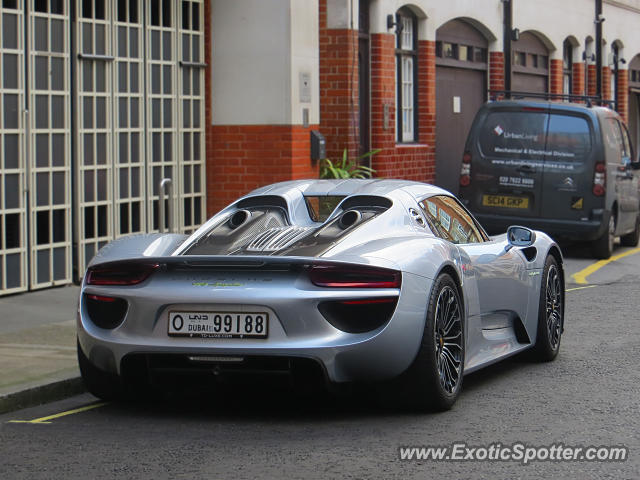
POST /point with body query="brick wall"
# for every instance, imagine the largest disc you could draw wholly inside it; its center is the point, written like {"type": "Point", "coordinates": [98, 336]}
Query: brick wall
{"type": "Point", "coordinates": [591, 88]}
{"type": "Point", "coordinates": [577, 79]}
{"type": "Point", "coordinates": [408, 161]}
{"type": "Point", "coordinates": [240, 158]}
{"type": "Point", "coordinates": [555, 76]}
{"type": "Point", "coordinates": [338, 87]}
{"type": "Point", "coordinates": [496, 71]}
{"type": "Point", "coordinates": [606, 83]}
{"type": "Point", "coordinates": [244, 157]}
{"type": "Point", "coordinates": [623, 94]}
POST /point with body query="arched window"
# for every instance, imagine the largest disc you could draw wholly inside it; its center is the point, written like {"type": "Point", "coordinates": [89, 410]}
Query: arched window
{"type": "Point", "coordinates": [406, 74]}
{"type": "Point", "coordinates": [567, 67]}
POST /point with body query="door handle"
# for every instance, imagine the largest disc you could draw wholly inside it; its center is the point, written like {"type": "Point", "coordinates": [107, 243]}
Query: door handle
{"type": "Point", "coordinates": [526, 169]}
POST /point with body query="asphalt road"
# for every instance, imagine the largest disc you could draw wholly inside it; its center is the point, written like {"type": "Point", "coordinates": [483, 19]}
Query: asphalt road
{"type": "Point", "coordinates": [588, 397]}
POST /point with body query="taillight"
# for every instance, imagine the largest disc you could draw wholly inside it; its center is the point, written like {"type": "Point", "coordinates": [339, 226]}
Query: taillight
{"type": "Point", "coordinates": [465, 170]}
{"type": "Point", "coordinates": [120, 274]}
{"type": "Point", "coordinates": [600, 179]}
{"type": "Point", "coordinates": [354, 276]}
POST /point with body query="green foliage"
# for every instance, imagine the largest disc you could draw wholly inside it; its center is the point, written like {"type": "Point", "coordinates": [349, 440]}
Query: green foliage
{"type": "Point", "coordinates": [347, 168]}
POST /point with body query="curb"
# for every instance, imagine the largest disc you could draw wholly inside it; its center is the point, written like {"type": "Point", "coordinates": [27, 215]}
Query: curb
{"type": "Point", "coordinates": [40, 394]}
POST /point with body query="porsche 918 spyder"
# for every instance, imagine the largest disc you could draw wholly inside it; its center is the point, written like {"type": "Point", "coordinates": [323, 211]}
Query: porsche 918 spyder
{"type": "Point", "coordinates": [350, 280]}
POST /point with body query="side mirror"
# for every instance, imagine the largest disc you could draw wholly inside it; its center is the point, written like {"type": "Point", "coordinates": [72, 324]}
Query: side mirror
{"type": "Point", "coordinates": [520, 237]}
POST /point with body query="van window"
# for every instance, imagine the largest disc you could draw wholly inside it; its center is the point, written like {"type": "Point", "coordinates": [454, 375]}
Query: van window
{"type": "Point", "coordinates": [536, 136]}
{"type": "Point", "coordinates": [614, 139]}
{"type": "Point", "coordinates": [516, 135]}
{"type": "Point", "coordinates": [569, 139]}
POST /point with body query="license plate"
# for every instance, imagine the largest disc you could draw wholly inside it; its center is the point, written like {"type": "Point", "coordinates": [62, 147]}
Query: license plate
{"type": "Point", "coordinates": [505, 201]}
{"type": "Point", "coordinates": [219, 324]}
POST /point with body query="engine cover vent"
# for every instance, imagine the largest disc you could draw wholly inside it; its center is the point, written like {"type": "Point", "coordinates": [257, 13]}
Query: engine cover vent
{"type": "Point", "coordinates": [277, 238]}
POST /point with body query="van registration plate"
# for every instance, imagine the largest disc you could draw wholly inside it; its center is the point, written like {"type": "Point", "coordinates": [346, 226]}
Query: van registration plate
{"type": "Point", "coordinates": [505, 201]}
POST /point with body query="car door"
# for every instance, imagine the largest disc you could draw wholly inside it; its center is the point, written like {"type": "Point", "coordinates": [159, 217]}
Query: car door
{"type": "Point", "coordinates": [568, 166]}
{"type": "Point", "coordinates": [507, 172]}
{"type": "Point", "coordinates": [496, 281]}
{"type": "Point", "coordinates": [619, 166]}
{"type": "Point", "coordinates": [632, 202]}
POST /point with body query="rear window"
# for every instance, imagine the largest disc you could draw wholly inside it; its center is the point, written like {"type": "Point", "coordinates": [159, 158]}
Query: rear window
{"type": "Point", "coordinates": [569, 139]}
{"type": "Point", "coordinates": [517, 135]}
{"type": "Point", "coordinates": [536, 136]}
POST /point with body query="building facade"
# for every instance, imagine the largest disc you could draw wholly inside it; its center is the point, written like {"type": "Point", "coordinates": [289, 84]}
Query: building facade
{"type": "Point", "coordinates": [132, 116]}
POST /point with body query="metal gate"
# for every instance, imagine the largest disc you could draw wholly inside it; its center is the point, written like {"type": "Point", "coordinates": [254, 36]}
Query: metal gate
{"type": "Point", "coordinates": [140, 119]}
{"type": "Point", "coordinates": [133, 94]}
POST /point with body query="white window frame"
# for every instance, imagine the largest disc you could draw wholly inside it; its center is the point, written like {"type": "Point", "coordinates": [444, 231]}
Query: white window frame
{"type": "Point", "coordinates": [406, 76]}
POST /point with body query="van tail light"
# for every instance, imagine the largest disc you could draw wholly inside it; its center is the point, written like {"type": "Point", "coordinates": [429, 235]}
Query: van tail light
{"type": "Point", "coordinates": [600, 179]}
{"type": "Point", "coordinates": [120, 274]}
{"type": "Point", "coordinates": [465, 170]}
{"type": "Point", "coordinates": [354, 276]}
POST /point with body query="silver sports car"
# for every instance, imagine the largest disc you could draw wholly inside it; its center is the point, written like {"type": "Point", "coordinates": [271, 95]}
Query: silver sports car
{"type": "Point", "coordinates": [347, 280]}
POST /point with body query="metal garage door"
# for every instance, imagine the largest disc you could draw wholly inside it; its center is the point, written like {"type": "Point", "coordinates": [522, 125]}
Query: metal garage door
{"type": "Point", "coordinates": [140, 119]}
{"type": "Point", "coordinates": [34, 135]}
{"type": "Point", "coordinates": [461, 73]}
{"type": "Point", "coordinates": [133, 94]}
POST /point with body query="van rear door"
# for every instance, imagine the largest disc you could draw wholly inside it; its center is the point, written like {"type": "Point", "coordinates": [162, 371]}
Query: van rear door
{"type": "Point", "coordinates": [507, 176]}
{"type": "Point", "coordinates": [568, 167]}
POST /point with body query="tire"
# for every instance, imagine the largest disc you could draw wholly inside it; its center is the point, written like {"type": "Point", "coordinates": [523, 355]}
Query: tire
{"type": "Point", "coordinates": [104, 385]}
{"type": "Point", "coordinates": [434, 379]}
{"type": "Point", "coordinates": [550, 313]}
{"type": "Point", "coordinates": [603, 246]}
{"type": "Point", "coordinates": [631, 239]}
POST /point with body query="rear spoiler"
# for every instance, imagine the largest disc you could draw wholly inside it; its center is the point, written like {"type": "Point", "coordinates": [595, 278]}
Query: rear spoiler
{"type": "Point", "coordinates": [217, 262]}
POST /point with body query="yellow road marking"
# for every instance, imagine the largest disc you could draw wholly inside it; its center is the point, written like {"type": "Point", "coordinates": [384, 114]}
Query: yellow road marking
{"type": "Point", "coordinates": [63, 414]}
{"type": "Point", "coordinates": [581, 277]}
{"type": "Point", "coordinates": [579, 288]}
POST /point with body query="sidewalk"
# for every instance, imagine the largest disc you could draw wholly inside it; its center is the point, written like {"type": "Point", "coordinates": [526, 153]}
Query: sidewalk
{"type": "Point", "coordinates": [38, 347]}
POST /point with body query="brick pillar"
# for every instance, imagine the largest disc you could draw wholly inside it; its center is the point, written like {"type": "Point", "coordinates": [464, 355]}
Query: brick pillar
{"type": "Point", "coordinates": [426, 169]}
{"type": "Point", "coordinates": [606, 83]}
{"type": "Point", "coordinates": [383, 97]}
{"type": "Point", "coordinates": [496, 71]}
{"type": "Point", "coordinates": [591, 89]}
{"type": "Point", "coordinates": [577, 78]}
{"type": "Point", "coordinates": [239, 157]}
{"type": "Point", "coordinates": [338, 87]}
{"type": "Point", "coordinates": [555, 76]}
{"type": "Point", "coordinates": [411, 161]}
{"type": "Point", "coordinates": [623, 94]}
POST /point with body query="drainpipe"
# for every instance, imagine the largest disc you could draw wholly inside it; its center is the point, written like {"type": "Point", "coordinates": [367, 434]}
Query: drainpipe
{"type": "Point", "coordinates": [507, 35]}
{"type": "Point", "coordinates": [598, 21]}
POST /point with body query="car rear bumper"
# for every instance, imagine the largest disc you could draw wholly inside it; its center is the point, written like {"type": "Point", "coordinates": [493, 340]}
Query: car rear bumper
{"type": "Point", "coordinates": [583, 230]}
{"type": "Point", "coordinates": [375, 355]}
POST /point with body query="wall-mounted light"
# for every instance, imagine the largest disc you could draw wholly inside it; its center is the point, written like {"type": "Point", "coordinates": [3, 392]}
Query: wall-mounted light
{"type": "Point", "coordinates": [591, 57]}
{"type": "Point", "coordinates": [392, 22]}
{"type": "Point", "coordinates": [515, 34]}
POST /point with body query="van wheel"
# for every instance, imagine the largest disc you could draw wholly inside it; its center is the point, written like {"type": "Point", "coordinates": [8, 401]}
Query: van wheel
{"type": "Point", "coordinates": [603, 246]}
{"type": "Point", "coordinates": [631, 239]}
